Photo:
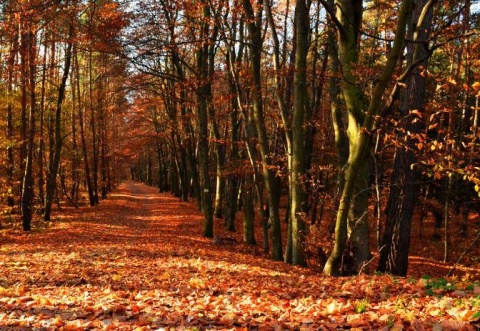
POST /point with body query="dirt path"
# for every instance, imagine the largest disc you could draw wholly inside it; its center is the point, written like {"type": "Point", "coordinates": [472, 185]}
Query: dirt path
{"type": "Point", "coordinates": [138, 261]}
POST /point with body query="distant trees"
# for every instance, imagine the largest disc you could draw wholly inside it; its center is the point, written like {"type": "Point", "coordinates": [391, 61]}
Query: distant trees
{"type": "Point", "coordinates": [48, 89]}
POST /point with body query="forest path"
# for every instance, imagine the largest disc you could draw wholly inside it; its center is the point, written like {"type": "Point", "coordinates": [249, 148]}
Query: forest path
{"type": "Point", "coordinates": [138, 261]}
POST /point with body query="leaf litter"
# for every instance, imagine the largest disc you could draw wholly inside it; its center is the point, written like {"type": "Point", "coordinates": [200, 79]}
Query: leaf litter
{"type": "Point", "coordinates": [139, 262]}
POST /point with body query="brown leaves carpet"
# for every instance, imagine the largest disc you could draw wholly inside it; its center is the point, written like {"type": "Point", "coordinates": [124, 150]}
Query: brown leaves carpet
{"type": "Point", "coordinates": [138, 261]}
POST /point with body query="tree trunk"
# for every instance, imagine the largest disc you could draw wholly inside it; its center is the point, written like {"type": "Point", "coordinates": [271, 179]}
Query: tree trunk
{"type": "Point", "coordinates": [341, 139]}
{"type": "Point", "coordinates": [255, 46]}
{"type": "Point", "coordinates": [232, 181]}
{"type": "Point", "coordinates": [23, 102]}
{"type": "Point", "coordinates": [203, 93]}
{"type": "Point", "coordinates": [29, 41]}
{"type": "Point", "coordinates": [93, 127]}
{"type": "Point", "coordinates": [298, 170]}
{"type": "Point", "coordinates": [9, 116]}
{"type": "Point", "coordinates": [283, 95]}
{"type": "Point", "coordinates": [220, 159]}
{"type": "Point", "coordinates": [53, 168]}
{"type": "Point", "coordinates": [41, 143]}
{"type": "Point", "coordinates": [103, 145]}
{"type": "Point", "coordinates": [248, 210]}
{"type": "Point", "coordinates": [81, 120]}
{"type": "Point", "coordinates": [404, 187]}
{"type": "Point", "coordinates": [75, 167]}
{"type": "Point", "coordinates": [351, 220]}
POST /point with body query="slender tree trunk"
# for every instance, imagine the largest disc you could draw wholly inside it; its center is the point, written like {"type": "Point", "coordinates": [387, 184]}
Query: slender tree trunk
{"type": "Point", "coordinates": [298, 170]}
{"type": "Point", "coordinates": [283, 93]}
{"type": "Point", "coordinates": [93, 127]}
{"type": "Point", "coordinates": [23, 102]}
{"type": "Point", "coordinates": [251, 137]}
{"type": "Point", "coordinates": [185, 174]}
{"type": "Point", "coordinates": [233, 59]}
{"type": "Point", "coordinates": [203, 93]}
{"type": "Point", "coordinates": [349, 15]}
{"type": "Point", "coordinates": [53, 169]}
{"type": "Point", "coordinates": [41, 143]}
{"type": "Point", "coordinates": [103, 148]}
{"type": "Point", "coordinates": [188, 156]}
{"type": "Point", "coordinates": [83, 140]}
{"type": "Point", "coordinates": [220, 179]}
{"type": "Point", "coordinates": [232, 187]}
{"type": "Point", "coordinates": [231, 201]}
{"type": "Point", "coordinates": [161, 167]}
{"type": "Point", "coordinates": [181, 161]}
{"type": "Point", "coordinates": [220, 149]}
{"type": "Point", "coordinates": [404, 188]}
{"type": "Point", "coordinates": [27, 184]}
{"type": "Point", "coordinates": [254, 29]}
{"type": "Point", "coordinates": [9, 117]}
{"type": "Point", "coordinates": [248, 210]}
{"type": "Point", "coordinates": [75, 161]}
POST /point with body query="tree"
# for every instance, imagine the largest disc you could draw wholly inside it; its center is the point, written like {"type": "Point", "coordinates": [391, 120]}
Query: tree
{"type": "Point", "coordinates": [254, 26]}
{"type": "Point", "coordinates": [28, 52]}
{"type": "Point", "coordinates": [298, 164]}
{"type": "Point", "coordinates": [54, 165]}
{"type": "Point", "coordinates": [351, 226]}
{"type": "Point", "coordinates": [404, 187]}
{"type": "Point", "coordinates": [10, 35]}
{"type": "Point", "coordinates": [204, 59]}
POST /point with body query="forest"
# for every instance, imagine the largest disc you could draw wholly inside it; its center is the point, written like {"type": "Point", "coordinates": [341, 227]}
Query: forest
{"type": "Point", "coordinates": [332, 127]}
{"type": "Point", "coordinates": [239, 165]}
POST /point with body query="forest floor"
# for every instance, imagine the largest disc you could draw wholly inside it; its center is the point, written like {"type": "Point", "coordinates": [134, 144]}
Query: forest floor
{"type": "Point", "coordinates": [138, 261]}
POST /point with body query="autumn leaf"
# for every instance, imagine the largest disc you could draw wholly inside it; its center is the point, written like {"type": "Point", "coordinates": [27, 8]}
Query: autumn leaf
{"type": "Point", "coordinates": [140, 277]}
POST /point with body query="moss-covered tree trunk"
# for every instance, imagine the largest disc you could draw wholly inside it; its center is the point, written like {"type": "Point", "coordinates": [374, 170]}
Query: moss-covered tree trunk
{"type": "Point", "coordinates": [298, 163]}
{"type": "Point", "coordinates": [351, 225]}
{"type": "Point", "coordinates": [341, 141]}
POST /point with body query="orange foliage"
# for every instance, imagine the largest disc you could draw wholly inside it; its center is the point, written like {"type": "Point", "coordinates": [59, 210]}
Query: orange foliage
{"type": "Point", "coordinates": [139, 262]}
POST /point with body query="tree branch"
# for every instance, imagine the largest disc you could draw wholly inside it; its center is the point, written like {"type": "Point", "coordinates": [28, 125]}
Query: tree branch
{"type": "Point", "coordinates": [331, 12]}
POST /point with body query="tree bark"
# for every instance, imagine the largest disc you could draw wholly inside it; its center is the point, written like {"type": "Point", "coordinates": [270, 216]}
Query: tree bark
{"type": "Point", "coordinates": [53, 168]}
{"type": "Point", "coordinates": [203, 93]}
{"type": "Point", "coordinates": [81, 120]}
{"type": "Point", "coordinates": [41, 143]}
{"type": "Point", "coordinates": [248, 210]}
{"type": "Point", "coordinates": [29, 40]}
{"type": "Point", "coordinates": [9, 114]}
{"type": "Point", "coordinates": [341, 139]}
{"type": "Point", "coordinates": [360, 125]}
{"type": "Point", "coordinates": [93, 128]}
{"type": "Point", "coordinates": [255, 46]}
{"type": "Point", "coordinates": [298, 170]}
{"type": "Point", "coordinates": [404, 186]}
